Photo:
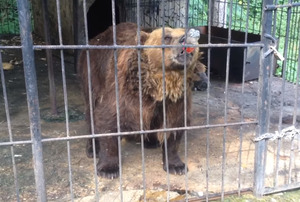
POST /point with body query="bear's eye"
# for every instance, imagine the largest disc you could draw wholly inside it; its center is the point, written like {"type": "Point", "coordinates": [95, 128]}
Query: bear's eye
{"type": "Point", "coordinates": [167, 39]}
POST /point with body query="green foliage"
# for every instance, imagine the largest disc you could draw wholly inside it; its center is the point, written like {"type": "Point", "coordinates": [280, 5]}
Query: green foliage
{"type": "Point", "coordinates": [9, 23]}
{"type": "Point", "coordinates": [244, 16]}
{"type": "Point", "coordinates": [247, 15]}
{"type": "Point", "coordinates": [237, 10]}
{"type": "Point", "coordinates": [198, 13]}
{"type": "Point", "coordinates": [291, 31]}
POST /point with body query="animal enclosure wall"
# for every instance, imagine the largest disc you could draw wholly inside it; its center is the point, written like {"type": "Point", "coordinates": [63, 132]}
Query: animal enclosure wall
{"type": "Point", "coordinates": [66, 11]}
{"type": "Point", "coordinates": [230, 145]}
{"type": "Point", "coordinates": [156, 13]}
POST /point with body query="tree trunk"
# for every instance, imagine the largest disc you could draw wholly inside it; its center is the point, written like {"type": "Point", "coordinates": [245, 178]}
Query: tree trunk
{"type": "Point", "coordinates": [219, 13]}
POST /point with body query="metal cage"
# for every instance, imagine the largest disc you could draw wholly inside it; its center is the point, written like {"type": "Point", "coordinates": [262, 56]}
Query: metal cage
{"type": "Point", "coordinates": [231, 147]}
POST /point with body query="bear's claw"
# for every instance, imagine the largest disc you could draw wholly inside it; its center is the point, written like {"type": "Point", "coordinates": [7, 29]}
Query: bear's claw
{"type": "Point", "coordinates": [108, 171]}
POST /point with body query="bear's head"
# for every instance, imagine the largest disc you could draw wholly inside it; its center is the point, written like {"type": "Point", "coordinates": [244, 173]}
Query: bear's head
{"type": "Point", "coordinates": [175, 58]}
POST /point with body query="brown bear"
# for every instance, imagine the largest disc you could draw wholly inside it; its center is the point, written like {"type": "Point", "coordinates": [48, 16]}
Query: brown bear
{"type": "Point", "coordinates": [103, 95]}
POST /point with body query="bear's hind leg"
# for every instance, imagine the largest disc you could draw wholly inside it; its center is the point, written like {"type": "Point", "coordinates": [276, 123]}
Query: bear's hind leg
{"type": "Point", "coordinates": [176, 166]}
{"type": "Point", "coordinates": [108, 164]}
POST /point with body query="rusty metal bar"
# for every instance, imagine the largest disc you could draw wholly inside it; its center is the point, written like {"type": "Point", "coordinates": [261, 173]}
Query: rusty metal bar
{"type": "Point", "coordinates": [264, 75]}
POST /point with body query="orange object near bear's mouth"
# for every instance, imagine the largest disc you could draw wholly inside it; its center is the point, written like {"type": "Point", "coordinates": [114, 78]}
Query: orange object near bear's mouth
{"type": "Point", "coordinates": [188, 49]}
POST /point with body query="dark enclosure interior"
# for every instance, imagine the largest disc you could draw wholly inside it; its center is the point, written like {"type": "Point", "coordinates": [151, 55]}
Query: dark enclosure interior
{"type": "Point", "coordinates": [99, 17]}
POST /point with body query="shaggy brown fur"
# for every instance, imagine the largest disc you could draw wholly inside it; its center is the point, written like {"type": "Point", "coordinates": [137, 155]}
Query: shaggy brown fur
{"type": "Point", "coordinates": [102, 69]}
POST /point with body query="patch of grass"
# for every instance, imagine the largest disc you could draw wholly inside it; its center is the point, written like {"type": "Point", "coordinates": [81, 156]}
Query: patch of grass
{"type": "Point", "coordinates": [290, 196]}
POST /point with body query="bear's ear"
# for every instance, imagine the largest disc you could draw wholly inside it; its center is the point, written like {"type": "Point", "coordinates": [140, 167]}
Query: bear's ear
{"type": "Point", "coordinates": [144, 36]}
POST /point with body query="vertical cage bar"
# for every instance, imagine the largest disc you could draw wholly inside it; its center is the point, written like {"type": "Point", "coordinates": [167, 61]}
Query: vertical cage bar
{"type": "Point", "coordinates": [296, 109]}
{"type": "Point", "coordinates": [292, 159]}
{"type": "Point", "coordinates": [285, 54]}
{"type": "Point", "coordinates": [207, 99]}
{"type": "Point", "coordinates": [65, 97]}
{"type": "Point", "coordinates": [141, 96]}
{"type": "Point", "coordinates": [284, 69]}
{"type": "Point", "coordinates": [32, 97]}
{"type": "Point", "coordinates": [113, 6]}
{"type": "Point", "coordinates": [9, 129]}
{"type": "Point", "coordinates": [243, 98]}
{"type": "Point", "coordinates": [89, 75]}
{"type": "Point", "coordinates": [263, 102]}
{"type": "Point", "coordinates": [226, 101]}
{"type": "Point", "coordinates": [292, 149]}
{"type": "Point", "coordinates": [270, 97]}
{"type": "Point", "coordinates": [185, 106]}
{"type": "Point", "coordinates": [294, 42]}
{"type": "Point", "coordinates": [164, 101]}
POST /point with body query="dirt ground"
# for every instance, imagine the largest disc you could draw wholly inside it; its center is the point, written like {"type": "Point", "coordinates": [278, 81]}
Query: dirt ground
{"type": "Point", "coordinates": [240, 107]}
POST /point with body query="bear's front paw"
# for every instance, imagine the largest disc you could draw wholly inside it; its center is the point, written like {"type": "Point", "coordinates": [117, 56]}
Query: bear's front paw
{"type": "Point", "coordinates": [89, 148]}
{"type": "Point", "coordinates": [108, 170]}
{"type": "Point", "coordinates": [90, 152]}
{"type": "Point", "coordinates": [176, 168]}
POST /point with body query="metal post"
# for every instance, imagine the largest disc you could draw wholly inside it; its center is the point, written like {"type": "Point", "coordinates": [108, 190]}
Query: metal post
{"type": "Point", "coordinates": [263, 102]}
{"type": "Point", "coordinates": [32, 97]}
